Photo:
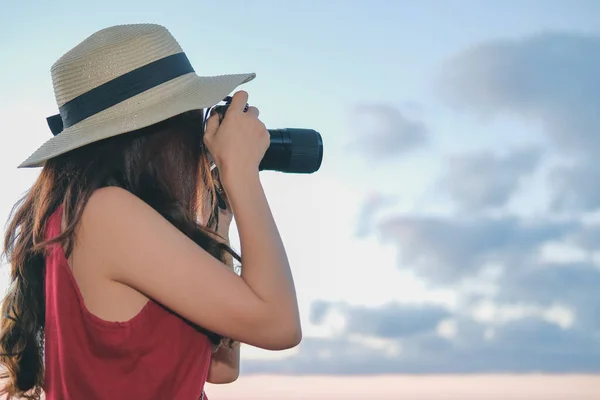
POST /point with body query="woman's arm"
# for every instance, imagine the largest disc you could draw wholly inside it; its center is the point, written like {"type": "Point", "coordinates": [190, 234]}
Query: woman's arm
{"type": "Point", "coordinates": [137, 247]}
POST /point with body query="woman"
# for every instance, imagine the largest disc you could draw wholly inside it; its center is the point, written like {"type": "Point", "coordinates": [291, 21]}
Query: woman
{"type": "Point", "coordinates": [122, 286]}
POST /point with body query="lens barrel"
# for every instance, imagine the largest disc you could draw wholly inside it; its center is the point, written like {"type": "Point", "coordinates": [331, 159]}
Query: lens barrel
{"type": "Point", "coordinates": [294, 151]}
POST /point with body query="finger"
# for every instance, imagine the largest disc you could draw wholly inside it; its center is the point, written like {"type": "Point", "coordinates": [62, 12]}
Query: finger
{"type": "Point", "coordinates": [254, 111]}
{"type": "Point", "coordinates": [239, 101]}
{"type": "Point", "coordinates": [213, 112]}
{"type": "Point", "coordinates": [212, 124]}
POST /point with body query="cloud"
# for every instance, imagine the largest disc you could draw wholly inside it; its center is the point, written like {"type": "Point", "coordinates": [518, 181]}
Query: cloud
{"type": "Point", "coordinates": [481, 180]}
{"type": "Point", "coordinates": [573, 186]}
{"type": "Point", "coordinates": [524, 345]}
{"type": "Point", "coordinates": [540, 317]}
{"type": "Point", "coordinates": [389, 321]}
{"type": "Point", "coordinates": [381, 132]}
{"type": "Point", "coordinates": [445, 249]}
{"type": "Point", "coordinates": [575, 286]}
{"type": "Point", "coordinates": [371, 207]}
{"type": "Point", "coordinates": [550, 80]}
{"type": "Point", "coordinates": [341, 356]}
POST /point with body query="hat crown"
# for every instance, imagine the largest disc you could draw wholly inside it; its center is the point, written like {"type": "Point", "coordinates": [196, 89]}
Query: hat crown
{"type": "Point", "coordinates": [108, 54]}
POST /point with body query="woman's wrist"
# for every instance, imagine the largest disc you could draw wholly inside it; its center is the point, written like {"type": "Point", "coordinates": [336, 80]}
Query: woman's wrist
{"type": "Point", "coordinates": [232, 180]}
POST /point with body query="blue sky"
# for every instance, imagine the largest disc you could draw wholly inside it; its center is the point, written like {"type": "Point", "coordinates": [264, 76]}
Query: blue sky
{"type": "Point", "coordinates": [452, 225]}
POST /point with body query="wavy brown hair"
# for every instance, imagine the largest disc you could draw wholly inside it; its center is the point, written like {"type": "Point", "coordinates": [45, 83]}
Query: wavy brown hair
{"type": "Point", "coordinates": [165, 165]}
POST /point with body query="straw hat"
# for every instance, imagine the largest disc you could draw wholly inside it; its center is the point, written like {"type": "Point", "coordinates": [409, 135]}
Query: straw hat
{"type": "Point", "coordinates": [121, 79]}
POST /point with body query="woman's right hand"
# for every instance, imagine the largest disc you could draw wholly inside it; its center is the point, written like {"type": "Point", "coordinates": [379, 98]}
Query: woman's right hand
{"type": "Point", "coordinates": [239, 143]}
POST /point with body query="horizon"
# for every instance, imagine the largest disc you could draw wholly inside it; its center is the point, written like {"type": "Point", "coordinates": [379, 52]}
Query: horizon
{"type": "Point", "coordinates": [416, 387]}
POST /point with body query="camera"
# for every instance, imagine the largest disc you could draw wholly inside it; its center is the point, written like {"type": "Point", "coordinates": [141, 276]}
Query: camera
{"type": "Point", "coordinates": [292, 150]}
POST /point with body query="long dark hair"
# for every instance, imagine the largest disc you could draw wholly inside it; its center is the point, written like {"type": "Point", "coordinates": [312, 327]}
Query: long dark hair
{"type": "Point", "coordinates": [165, 165]}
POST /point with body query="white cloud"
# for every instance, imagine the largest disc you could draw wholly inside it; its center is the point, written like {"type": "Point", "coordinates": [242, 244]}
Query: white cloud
{"type": "Point", "coordinates": [386, 347]}
{"type": "Point", "coordinates": [491, 313]}
{"type": "Point", "coordinates": [447, 329]}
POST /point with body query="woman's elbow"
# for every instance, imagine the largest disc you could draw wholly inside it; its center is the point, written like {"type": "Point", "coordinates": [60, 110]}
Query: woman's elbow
{"type": "Point", "coordinates": [295, 336]}
{"type": "Point", "coordinates": [287, 337]}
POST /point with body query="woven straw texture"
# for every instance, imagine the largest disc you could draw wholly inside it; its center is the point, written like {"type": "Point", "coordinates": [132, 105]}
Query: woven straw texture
{"type": "Point", "coordinates": [112, 52]}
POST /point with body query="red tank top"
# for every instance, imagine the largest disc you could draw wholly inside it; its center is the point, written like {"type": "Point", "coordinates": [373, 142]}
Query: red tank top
{"type": "Point", "coordinates": [155, 355]}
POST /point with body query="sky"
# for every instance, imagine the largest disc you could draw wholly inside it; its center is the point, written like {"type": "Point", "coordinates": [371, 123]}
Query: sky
{"type": "Point", "coordinates": [452, 227]}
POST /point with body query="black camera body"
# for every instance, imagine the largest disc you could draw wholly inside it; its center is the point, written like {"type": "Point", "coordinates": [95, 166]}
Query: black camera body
{"type": "Point", "coordinates": [292, 150]}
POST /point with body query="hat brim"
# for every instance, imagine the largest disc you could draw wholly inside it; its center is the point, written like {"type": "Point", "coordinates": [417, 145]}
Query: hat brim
{"type": "Point", "coordinates": [182, 94]}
